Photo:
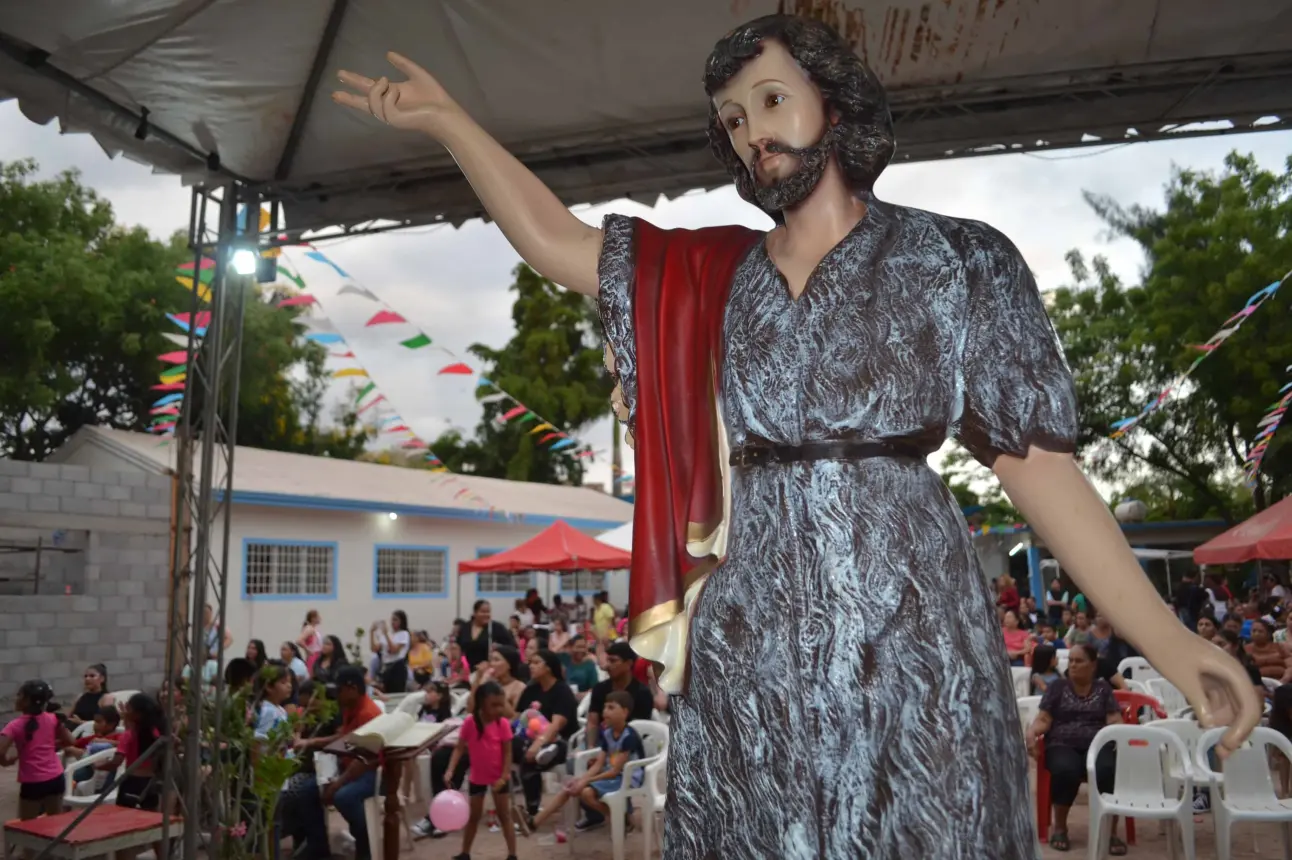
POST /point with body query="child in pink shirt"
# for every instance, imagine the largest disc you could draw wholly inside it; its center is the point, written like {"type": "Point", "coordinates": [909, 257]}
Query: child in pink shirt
{"type": "Point", "coordinates": [36, 738]}
{"type": "Point", "coordinates": [486, 740]}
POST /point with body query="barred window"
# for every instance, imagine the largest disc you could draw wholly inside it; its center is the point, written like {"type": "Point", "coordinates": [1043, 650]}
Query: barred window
{"type": "Point", "coordinates": [411, 571]}
{"type": "Point", "coordinates": [288, 568]}
{"type": "Point", "coordinates": [504, 583]}
{"type": "Point", "coordinates": [583, 582]}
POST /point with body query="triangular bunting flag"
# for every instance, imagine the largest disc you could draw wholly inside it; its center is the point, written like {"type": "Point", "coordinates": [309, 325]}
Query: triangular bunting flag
{"type": "Point", "coordinates": [384, 318]}
{"type": "Point", "coordinates": [349, 371]}
{"type": "Point", "coordinates": [177, 339]}
{"type": "Point", "coordinates": [341, 354]}
{"type": "Point", "coordinates": [371, 403]}
{"type": "Point", "coordinates": [414, 443]}
{"type": "Point", "coordinates": [174, 357]}
{"type": "Point", "coordinates": [524, 419]}
{"type": "Point", "coordinates": [494, 398]}
{"type": "Point", "coordinates": [564, 443]}
{"type": "Point", "coordinates": [511, 413]}
{"type": "Point", "coordinates": [169, 398]}
{"type": "Point", "coordinates": [178, 376]}
{"type": "Point", "coordinates": [399, 428]}
{"type": "Point", "coordinates": [164, 410]}
{"type": "Point", "coordinates": [294, 278]}
{"type": "Point", "coordinates": [540, 428]}
{"type": "Point", "coordinates": [318, 257]}
{"type": "Point", "coordinates": [549, 436]}
{"type": "Point", "coordinates": [417, 342]}
{"type": "Point", "coordinates": [357, 290]}
{"type": "Point", "coordinates": [298, 301]}
{"type": "Point", "coordinates": [458, 369]}
{"type": "Point", "coordinates": [367, 389]}
{"type": "Point", "coordinates": [203, 291]}
{"type": "Point", "coordinates": [168, 386]}
{"type": "Point", "coordinates": [324, 337]}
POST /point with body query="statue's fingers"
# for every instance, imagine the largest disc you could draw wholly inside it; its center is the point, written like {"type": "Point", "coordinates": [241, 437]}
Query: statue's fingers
{"type": "Point", "coordinates": [375, 96]}
{"type": "Point", "coordinates": [355, 81]}
{"type": "Point", "coordinates": [407, 66]}
{"type": "Point", "coordinates": [350, 100]}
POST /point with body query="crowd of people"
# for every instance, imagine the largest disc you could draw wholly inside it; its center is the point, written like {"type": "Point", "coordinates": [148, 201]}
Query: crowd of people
{"type": "Point", "coordinates": [542, 663]}
{"type": "Point", "coordinates": [1077, 703]}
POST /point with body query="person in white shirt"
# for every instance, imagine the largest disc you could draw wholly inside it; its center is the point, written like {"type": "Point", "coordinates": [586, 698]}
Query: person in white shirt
{"type": "Point", "coordinates": [392, 642]}
{"type": "Point", "coordinates": [524, 613]}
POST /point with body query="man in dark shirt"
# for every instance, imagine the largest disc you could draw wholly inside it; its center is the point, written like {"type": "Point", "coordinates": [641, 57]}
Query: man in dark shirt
{"type": "Point", "coordinates": [620, 659]}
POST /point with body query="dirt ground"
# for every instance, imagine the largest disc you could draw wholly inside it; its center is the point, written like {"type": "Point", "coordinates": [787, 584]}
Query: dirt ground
{"type": "Point", "coordinates": [1250, 841]}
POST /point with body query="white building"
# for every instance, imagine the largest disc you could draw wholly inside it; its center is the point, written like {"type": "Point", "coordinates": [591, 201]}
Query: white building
{"type": "Point", "coordinates": [357, 541]}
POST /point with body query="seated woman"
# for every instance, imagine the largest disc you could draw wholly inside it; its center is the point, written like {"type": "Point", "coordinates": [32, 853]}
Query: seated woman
{"type": "Point", "coordinates": [1018, 642]}
{"type": "Point", "coordinates": [1073, 710]}
{"type": "Point", "coordinates": [1272, 659]}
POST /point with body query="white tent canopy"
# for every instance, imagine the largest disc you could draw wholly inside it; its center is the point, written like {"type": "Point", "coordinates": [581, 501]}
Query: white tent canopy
{"type": "Point", "coordinates": [620, 537]}
{"type": "Point", "coordinates": [603, 99]}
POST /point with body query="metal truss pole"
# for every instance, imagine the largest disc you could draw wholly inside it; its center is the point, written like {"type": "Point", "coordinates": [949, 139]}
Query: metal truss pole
{"type": "Point", "coordinates": [203, 483]}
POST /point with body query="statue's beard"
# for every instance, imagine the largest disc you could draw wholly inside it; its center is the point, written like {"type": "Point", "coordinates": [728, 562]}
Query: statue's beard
{"type": "Point", "coordinates": [790, 191]}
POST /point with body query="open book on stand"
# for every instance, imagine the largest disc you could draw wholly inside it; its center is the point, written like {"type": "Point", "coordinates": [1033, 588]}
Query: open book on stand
{"type": "Point", "coordinates": [394, 731]}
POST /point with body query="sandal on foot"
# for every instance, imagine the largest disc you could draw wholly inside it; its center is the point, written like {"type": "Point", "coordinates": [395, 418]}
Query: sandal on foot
{"type": "Point", "coordinates": [1116, 847]}
{"type": "Point", "coordinates": [1059, 840]}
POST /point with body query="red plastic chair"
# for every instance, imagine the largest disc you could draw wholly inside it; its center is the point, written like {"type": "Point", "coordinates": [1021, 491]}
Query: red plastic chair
{"type": "Point", "coordinates": [1131, 705]}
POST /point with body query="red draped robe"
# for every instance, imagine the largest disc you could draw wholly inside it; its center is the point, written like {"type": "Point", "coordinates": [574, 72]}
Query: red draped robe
{"type": "Point", "coordinates": [680, 287]}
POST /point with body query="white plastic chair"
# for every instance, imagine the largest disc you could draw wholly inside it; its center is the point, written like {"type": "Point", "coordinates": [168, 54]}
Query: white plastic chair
{"type": "Point", "coordinates": [1028, 708]}
{"type": "Point", "coordinates": [411, 705]}
{"type": "Point", "coordinates": [655, 739]}
{"type": "Point", "coordinates": [458, 698]}
{"type": "Point", "coordinates": [1138, 669]}
{"type": "Point", "coordinates": [1271, 684]}
{"type": "Point", "coordinates": [121, 697]}
{"type": "Point", "coordinates": [1022, 677]}
{"type": "Point", "coordinates": [1245, 790]}
{"type": "Point", "coordinates": [1061, 661]}
{"type": "Point", "coordinates": [584, 707]}
{"type": "Point", "coordinates": [1173, 701]}
{"type": "Point", "coordinates": [656, 786]}
{"type": "Point", "coordinates": [73, 797]}
{"type": "Point", "coordinates": [1139, 788]}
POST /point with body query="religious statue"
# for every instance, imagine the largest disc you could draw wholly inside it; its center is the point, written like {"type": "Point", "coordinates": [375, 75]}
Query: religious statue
{"type": "Point", "coordinates": [801, 574]}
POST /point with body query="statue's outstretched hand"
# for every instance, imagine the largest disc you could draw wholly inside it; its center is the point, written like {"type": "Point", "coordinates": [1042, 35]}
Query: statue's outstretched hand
{"type": "Point", "coordinates": [1215, 684]}
{"type": "Point", "coordinates": [419, 103]}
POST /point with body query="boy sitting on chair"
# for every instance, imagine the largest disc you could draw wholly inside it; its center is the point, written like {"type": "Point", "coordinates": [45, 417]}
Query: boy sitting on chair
{"type": "Point", "coordinates": [619, 745]}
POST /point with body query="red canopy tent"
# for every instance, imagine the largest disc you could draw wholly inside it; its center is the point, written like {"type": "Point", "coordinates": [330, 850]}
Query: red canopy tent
{"type": "Point", "coordinates": [1268, 535]}
{"type": "Point", "coordinates": [557, 548]}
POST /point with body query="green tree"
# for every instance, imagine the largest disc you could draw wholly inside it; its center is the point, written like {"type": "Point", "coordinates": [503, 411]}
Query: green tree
{"type": "Point", "coordinates": [976, 490]}
{"type": "Point", "coordinates": [553, 364]}
{"type": "Point", "coordinates": [83, 306]}
{"type": "Point", "coordinates": [1219, 239]}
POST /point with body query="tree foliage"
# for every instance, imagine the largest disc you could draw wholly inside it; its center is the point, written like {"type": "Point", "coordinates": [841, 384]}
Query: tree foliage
{"type": "Point", "coordinates": [83, 304]}
{"type": "Point", "coordinates": [1219, 239]}
{"type": "Point", "coordinates": [553, 364]}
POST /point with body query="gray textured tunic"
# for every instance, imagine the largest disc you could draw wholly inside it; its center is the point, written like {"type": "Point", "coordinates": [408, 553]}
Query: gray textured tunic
{"type": "Point", "coordinates": [850, 695]}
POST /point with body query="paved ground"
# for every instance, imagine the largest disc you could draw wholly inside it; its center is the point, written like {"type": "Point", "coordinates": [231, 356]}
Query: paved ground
{"type": "Point", "coordinates": [1249, 842]}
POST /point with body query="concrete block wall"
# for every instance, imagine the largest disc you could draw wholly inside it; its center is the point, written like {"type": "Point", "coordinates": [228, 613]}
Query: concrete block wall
{"type": "Point", "coordinates": [119, 617]}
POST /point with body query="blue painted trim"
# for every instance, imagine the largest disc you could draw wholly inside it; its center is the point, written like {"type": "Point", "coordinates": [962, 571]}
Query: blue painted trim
{"type": "Point", "coordinates": [411, 594]}
{"type": "Point", "coordinates": [285, 500]}
{"type": "Point", "coordinates": [266, 598]}
{"type": "Point", "coordinates": [1174, 524]}
{"type": "Point", "coordinates": [485, 552]}
{"type": "Point", "coordinates": [1035, 576]}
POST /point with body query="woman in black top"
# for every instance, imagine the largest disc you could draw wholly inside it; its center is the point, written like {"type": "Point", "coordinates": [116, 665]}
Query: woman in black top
{"type": "Point", "coordinates": [330, 660]}
{"type": "Point", "coordinates": [481, 634]}
{"type": "Point", "coordinates": [87, 705]}
{"type": "Point", "coordinates": [549, 694]}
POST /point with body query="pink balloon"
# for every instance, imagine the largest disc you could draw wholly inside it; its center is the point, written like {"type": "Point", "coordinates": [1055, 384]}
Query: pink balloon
{"type": "Point", "coordinates": [536, 727]}
{"type": "Point", "coordinates": [450, 811]}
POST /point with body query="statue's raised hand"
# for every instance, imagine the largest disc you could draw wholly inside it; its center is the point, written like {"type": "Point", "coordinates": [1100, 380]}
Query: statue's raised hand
{"type": "Point", "coordinates": [419, 103]}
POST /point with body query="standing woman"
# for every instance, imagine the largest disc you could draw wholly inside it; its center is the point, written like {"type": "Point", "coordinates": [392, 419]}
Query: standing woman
{"type": "Point", "coordinates": [330, 660]}
{"type": "Point", "coordinates": [392, 644]}
{"type": "Point", "coordinates": [311, 640]}
{"type": "Point", "coordinates": [478, 637]}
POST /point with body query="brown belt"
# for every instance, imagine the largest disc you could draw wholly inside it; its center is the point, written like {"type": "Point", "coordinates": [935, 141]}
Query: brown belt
{"type": "Point", "coordinates": [766, 455]}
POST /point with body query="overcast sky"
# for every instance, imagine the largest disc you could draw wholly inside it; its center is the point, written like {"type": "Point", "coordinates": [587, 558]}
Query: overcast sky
{"type": "Point", "coordinates": [453, 284]}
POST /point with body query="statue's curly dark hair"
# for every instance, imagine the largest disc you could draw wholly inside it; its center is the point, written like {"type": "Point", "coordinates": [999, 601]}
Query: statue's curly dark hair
{"type": "Point", "coordinates": [865, 131]}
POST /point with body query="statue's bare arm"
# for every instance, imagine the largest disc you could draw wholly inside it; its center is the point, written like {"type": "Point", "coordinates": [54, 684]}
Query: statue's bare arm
{"type": "Point", "coordinates": [542, 230]}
